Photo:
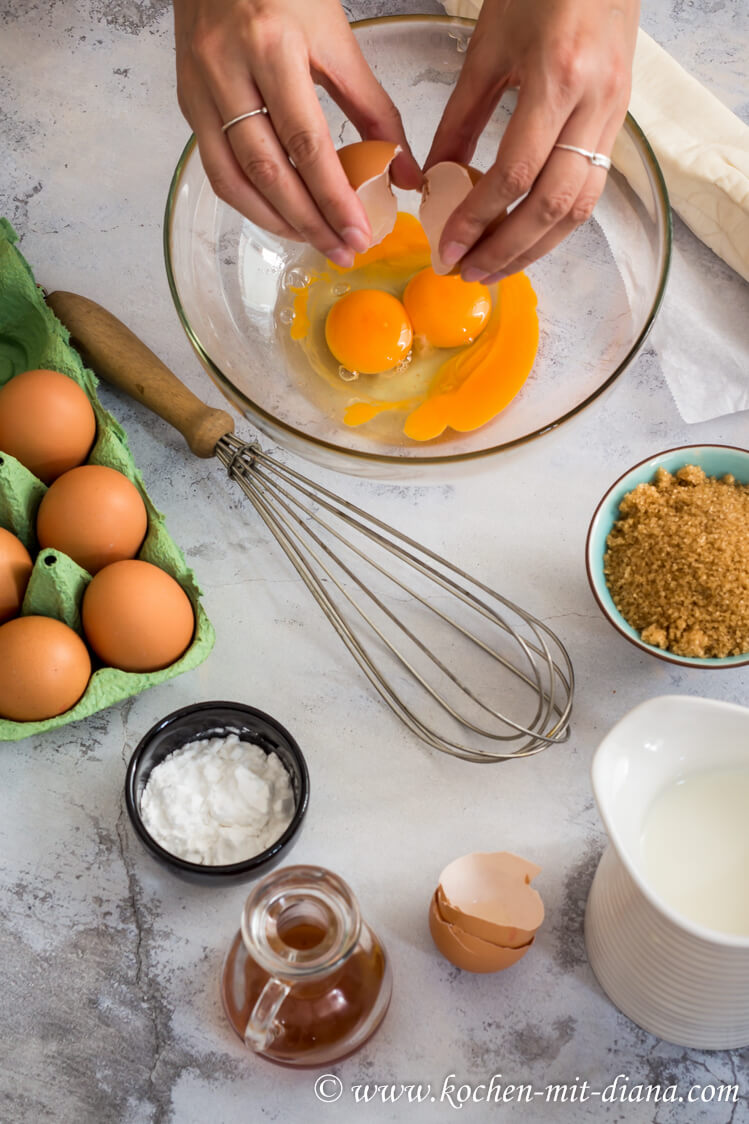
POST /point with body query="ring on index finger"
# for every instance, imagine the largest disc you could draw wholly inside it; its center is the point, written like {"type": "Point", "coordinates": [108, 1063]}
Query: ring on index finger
{"type": "Point", "coordinates": [243, 117]}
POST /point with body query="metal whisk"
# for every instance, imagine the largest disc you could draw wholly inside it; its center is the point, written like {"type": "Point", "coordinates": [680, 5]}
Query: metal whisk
{"type": "Point", "coordinates": [451, 657]}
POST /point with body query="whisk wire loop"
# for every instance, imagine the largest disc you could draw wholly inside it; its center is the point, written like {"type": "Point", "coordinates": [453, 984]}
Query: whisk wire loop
{"type": "Point", "coordinates": [275, 489]}
{"type": "Point", "coordinates": [403, 628]}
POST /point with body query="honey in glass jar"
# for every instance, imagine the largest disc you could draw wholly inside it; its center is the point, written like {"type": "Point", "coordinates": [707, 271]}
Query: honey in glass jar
{"type": "Point", "coordinates": [305, 981]}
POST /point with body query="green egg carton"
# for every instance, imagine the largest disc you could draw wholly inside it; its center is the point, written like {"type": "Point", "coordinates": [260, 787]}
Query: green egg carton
{"type": "Point", "coordinates": [30, 337]}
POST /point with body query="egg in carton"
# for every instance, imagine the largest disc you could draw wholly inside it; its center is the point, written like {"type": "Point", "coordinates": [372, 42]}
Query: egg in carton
{"type": "Point", "coordinates": [31, 337]}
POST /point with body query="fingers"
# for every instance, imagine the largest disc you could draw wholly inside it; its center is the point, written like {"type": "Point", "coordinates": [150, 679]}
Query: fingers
{"type": "Point", "coordinates": [350, 82]}
{"type": "Point", "coordinates": [524, 149]}
{"type": "Point", "coordinates": [562, 196]}
{"type": "Point", "coordinates": [313, 183]}
{"type": "Point", "coordinates": [590, 191]}
{"type": "Point", "coordinates": [511, 259]}
{"type": "Point", "coordinates": [337, 227]}
{"type": "Point", "coordinates": [474, 98]}
{"type": "Point", "coordinates": [293, 181]}
{"type": "Point", "coordinates": [569, 62]}
{"type": "Point", "coordinates": [225, 175]}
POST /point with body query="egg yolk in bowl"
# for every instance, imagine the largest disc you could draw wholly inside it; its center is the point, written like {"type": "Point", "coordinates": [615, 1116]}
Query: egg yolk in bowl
{"type": "Point", "coordinates": [446, 311]}
{"type": "Point", "coordinates": [368, 331]}
{"type": "Point", "coordinates": [392, 335]}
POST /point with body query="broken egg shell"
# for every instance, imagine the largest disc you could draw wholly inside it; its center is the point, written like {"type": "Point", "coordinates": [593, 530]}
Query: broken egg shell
{"type": "Point", "coordinates": [489, 896]}
{"type": "Point", "coordinates": [367, 168]}
{"type": "Point", "coordinates": [445, 186]}
{"type": "Point", "coordinates": [468, 952]}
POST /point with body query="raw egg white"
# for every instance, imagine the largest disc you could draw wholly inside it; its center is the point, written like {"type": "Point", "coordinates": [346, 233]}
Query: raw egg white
{"type": "Point", "coordinates": [94, 514]}
{"type": "Point", "coordinates": [15, 570]}
{"type": "Point", "coordinates": [44, 668]}
{"type": "Point", "coordinates": [136, 616]}
{"type": "Point", "coordinates": [46, 422]}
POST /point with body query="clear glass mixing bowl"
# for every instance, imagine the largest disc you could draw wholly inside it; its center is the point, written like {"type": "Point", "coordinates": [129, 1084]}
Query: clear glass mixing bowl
{"type": "Point", "coordinates": [598, 292]}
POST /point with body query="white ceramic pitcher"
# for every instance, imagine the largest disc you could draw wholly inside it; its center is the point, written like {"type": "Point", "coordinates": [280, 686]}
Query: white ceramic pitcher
{"type": "Point", "coordinates": [679, 980]}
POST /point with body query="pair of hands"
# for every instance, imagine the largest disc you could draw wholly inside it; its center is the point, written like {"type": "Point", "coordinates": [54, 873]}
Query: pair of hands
{"type": "Point", "coordinates": [570, 60]}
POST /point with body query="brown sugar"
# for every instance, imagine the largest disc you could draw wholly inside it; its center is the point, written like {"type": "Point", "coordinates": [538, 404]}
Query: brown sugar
{"type": "Point", "coordinates": [677, 563]}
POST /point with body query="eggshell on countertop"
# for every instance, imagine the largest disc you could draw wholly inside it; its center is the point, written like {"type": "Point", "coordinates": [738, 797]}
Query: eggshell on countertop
{"type": "Point", "coordinates": [490, 897]}
{"type": "Point", "coordinates": [469, 952]}
{"type": "Point", "coordinates": [15, 570]}
{"type": "Point", "coordinates": [367, 168]}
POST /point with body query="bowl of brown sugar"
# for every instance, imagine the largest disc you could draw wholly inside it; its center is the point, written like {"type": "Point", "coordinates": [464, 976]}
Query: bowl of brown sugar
{"type": "Point", "coordinates": [667, 555]}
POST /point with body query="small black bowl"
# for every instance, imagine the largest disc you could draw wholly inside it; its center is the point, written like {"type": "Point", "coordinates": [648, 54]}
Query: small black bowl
{"type": "Point", "coordinates": [208, 720]}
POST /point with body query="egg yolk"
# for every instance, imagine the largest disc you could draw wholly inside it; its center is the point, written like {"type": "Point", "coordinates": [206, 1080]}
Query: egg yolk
{"type": "Point", "coordinates": [368, 331]}
{"type": "Point", "coordinates": [445, 310]}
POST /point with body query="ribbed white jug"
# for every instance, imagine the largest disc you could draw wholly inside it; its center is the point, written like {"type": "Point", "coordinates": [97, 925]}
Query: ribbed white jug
{"type": "Point", "coordinates": [682, 981]}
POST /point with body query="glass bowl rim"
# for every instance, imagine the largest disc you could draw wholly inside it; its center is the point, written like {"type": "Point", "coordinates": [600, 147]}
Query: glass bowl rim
{"type": "Point", "coordinates": [227, 870]}
{"type": "Point", "coordinates": [251, 409]}
{"type": "Point", "coordinates": [596, 579]}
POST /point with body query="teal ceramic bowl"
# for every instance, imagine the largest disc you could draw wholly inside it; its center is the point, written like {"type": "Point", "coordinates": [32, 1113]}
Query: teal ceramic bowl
{"type": "Point", "coordinates": [715, 460]}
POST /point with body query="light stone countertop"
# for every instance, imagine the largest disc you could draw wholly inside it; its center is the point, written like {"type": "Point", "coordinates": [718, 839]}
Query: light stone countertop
{"type": "Point", "coordinates": [109, 1004]}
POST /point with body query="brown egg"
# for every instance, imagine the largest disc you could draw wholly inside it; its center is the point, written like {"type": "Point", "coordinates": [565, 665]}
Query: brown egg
{"type": "Point", "coordinates": [136, 616]}
{"type": "Point", "coordinates": [94, 514]}
{"type": "Point", "coordinates": [484, 915]}
{"type": "Point", "coordinates": [44, 668]}
{"type": "Point", "coordinates": [367, 168]}
{"type": "Point", "coordinates": [15, 570]}
{"type": "Point", "coordinates": [46, 422]}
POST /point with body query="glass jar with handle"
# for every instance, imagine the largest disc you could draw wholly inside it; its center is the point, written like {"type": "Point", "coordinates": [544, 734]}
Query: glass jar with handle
{"type": "Point", "coordinates": [305, 981]}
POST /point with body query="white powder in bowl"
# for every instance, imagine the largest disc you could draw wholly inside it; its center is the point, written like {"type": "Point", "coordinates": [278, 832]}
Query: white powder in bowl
{"type": "Point", "coordinates": [217, 801]}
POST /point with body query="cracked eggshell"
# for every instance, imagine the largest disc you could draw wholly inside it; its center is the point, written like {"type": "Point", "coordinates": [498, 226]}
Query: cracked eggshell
{"type": "Point", "coordinates": [367, 167]}
{"type": "Point", "coordinates": [445, 187]}
{"type": "Point", "coordinates": [489, 896]}
{"type": "Point", "coordinates": [468, 952]}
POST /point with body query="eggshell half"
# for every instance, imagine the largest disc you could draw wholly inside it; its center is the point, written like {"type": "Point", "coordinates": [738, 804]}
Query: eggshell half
{"type": "Point", "coordinates": [467, 951]}
{"type": "Point", "coordinates": [15, 570]}
{"type": "Point", "coordinates": [367, 168]}
{"type": "Point", "coordinates": [445, 187]}
{"type": "Point", "coordinates": [489, 896]}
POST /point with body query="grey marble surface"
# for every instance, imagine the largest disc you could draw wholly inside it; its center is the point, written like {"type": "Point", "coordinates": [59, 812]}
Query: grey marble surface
{"type": "Point", "coordinates": [109, 1004]}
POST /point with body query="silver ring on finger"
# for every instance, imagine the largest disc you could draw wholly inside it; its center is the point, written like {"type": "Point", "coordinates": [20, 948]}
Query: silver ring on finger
{"type": "Point", "coordinates": [596, 158]}
{"type": "Point", "coordinates": [243, 117]}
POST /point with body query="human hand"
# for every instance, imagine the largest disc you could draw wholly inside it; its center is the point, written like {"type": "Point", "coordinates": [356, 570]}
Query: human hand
{"type": "Point", "coordinates": [572, 63]}
{"type": "Point", "coordinates": [281, 170]}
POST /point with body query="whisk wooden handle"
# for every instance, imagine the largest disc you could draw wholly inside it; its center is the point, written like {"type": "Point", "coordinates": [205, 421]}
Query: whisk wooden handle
{"type": "Point", "coordinates": [120, 358]}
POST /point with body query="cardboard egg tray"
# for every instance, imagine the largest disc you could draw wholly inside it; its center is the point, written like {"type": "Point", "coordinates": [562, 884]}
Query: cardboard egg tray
{"type": "Point", "coordinates": [31, 337]}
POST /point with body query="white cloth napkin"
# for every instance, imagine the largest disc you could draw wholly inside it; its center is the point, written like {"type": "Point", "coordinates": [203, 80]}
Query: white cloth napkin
{"type": "Point", "coordinates": [702, 332]}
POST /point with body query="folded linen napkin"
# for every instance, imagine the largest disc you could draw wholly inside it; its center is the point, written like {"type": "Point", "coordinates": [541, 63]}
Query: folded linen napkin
{"type": "Point", "coordinates": [703, 151]}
